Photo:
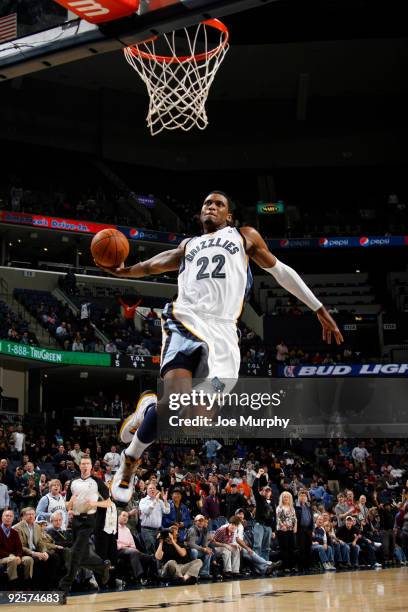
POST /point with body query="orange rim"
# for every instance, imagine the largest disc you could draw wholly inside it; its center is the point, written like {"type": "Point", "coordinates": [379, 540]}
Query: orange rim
{"type": "Point", "coordinates": [168, 59]}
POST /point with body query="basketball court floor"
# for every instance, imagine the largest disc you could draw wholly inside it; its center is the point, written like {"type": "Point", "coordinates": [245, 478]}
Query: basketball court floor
{"type": "Point", "coordinates": [370, 591]}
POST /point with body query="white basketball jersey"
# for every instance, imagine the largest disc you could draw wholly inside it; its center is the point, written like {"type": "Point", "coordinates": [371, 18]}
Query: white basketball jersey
{"type": "Point", "coordinates": [214, 275]}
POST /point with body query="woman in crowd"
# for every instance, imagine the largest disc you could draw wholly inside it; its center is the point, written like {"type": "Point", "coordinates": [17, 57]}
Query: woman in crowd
{"type": "Point", "coordinates": [286, 528]}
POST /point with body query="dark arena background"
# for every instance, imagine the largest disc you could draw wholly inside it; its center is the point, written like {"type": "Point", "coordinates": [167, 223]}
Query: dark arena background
{"type": "Point", "coordinates": [307, 134]}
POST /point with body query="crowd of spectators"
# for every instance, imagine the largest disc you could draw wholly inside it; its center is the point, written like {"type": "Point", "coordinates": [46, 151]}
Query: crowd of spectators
{"type": "Point", "coordinates": [204, 511]}
{"type": "Point", "coordinates": [386, 217]}
{"type": "Point", "coordinates": [14, 328]}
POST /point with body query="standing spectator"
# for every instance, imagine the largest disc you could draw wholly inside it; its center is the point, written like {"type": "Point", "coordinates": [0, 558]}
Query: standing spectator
{"type": "Point", "coordinates": [304, 517]}
{"type": "Point", "coordinates": [387, 514]}
{"type": "Point", "coordinates": [226, 546]}
{"type": "Point", "coordinates": [172, 557]}
{"type": "Point", "coordinates": [6, 475]}
{"type": "Point", "coordinates": [360, 455]}
{"type": "Point", "coordinates": [4, 497]}
{"type": "Point", "coordinates": [112, 459]}
{"type": "Point", "coordinates": [76, 454]}
{"type": "Point", "coordinates": [286, 528]}
{"type": "Point", "coordinates": [341, 509]}
{"type": "Point", "coordinates": [52, 502]}
{"type": "Point", "coordinates": [212, 447]}
{"type": "Point", "coordinates": [11, 550]}
{"type": "Point", "coordinates": [29, 494]}
{"type": "Point", "coordinates": [179, 515]}
{"type": "Point", "coordinates": [234, 500]}
{"type": "Point", "coordinates": [265, 517]}
{"type": "Point", "coordinates": [116, 408]}
{"type": "Point", "coordinates": [197, 544]}
{"type": "Point", "coordinates": [211, 509]}
{"type": "Point", "coordinates": [152, 508]}
{"type": "Point", "coordinates": [18, 437]}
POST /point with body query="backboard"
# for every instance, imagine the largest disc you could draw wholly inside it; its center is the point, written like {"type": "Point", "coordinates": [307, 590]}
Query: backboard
{"type": "Point", "coordinates": [48, 35]}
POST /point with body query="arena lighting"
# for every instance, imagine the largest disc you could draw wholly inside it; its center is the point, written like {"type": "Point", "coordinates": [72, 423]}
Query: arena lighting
{"type": "Point", "coordinates": [19, 240]}
{"type": "Point", "coordinates": [358, 318]}
{"type": "Point", "coordinates": [45, 249]}
{"type": "Point", "coordinates": [83, 375]}
{"type": "Point", "coordinates": [10, 244]}
{"type": "Point", "coordinates": [358, 271]}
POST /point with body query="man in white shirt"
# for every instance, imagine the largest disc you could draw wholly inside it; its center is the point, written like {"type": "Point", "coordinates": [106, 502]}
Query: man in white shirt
{"type": "Point", "coordinates": [112, 459]}
{"type": "Point", "coordinates": [360, 454]}
{"type": "Point", "coordinates": [18, 438]}
{"type": "Point", "coordinates": [77, 454]}
{"type": "Point", "coordinates": [151, 508]}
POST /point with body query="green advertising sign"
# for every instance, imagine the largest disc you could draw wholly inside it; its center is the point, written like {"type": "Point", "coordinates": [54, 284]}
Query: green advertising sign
{"type": "Point", "coordinates": [46, 355]}
{"type": "Point", "coordinates": [270, 208]}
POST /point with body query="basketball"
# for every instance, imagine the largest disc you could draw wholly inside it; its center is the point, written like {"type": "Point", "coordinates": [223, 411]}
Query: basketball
{"type": "Point", "coordinates": [109, 248]}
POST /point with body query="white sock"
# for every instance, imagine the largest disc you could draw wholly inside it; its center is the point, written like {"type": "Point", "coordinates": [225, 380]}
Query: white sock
{"type": "Point", "coordinates": [136, 447]}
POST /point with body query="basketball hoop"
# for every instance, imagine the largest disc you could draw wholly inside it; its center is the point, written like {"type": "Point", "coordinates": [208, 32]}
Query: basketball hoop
{"type": "Point", "coordinates": [178, 85]}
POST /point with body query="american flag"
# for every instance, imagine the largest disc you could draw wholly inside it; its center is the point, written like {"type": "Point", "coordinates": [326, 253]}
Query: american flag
{"type": "Point", "coordinates": [8, 27]}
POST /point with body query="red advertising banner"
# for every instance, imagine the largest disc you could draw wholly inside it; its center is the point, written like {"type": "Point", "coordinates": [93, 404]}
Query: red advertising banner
{"type": "Point", "coordinates": [53, 223]}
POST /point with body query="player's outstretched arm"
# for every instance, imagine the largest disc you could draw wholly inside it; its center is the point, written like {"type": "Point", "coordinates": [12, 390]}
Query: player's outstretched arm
{"type": "Point", "coordinates": [290, 280]}
{"type": "Point", "coordinates": [167, 261]}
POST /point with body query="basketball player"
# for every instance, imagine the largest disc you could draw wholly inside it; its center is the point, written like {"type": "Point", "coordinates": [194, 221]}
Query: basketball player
{"type": "Point", "coordinates": [200, 337]}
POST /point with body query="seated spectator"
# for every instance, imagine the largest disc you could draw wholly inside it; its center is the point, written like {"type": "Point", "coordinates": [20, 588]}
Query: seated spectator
{"type": "Point", "coordinates": [259, 565]}
{"type": "Point", "coordinates": [56, 564]}
{"type": "Point", "coordinates": [33, 544]}
{"type": "Point", "coordinates": [224, 542]}
{"type": "Point", "coordinates": [341, 550]}
{"type": "Point", "coordinates": [197, 539]}
{"type": "Point", "coordinates": [140, 563]}
{"type": "Point", "coordinates": [179, 514]}
{"type": "Point", "coordinates": [173, 559]}
{"type": "Point", "coordinates": [321, 543]}
{"type": "Point", "coordinates": [77, 344]}
{"type": "Point", "coordinates": [61, 536]}
{"type": "Point", "coordinates": [350, 535]}
{"type": "Point", "coordinates": [11, 551]}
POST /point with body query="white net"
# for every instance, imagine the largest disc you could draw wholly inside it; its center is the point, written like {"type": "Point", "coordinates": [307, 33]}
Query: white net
{"type": "Point", "coordinates": [178, 85]}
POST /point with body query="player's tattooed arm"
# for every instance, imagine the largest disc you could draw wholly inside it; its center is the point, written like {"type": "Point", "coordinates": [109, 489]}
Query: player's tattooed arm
{"type": "Point", "coordinates": [290, 280]}
{"type": "Point", "coordinates": [167, 261]}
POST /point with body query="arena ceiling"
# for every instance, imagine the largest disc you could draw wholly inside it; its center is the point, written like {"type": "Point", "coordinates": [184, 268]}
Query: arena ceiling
{"type": "Point", "coordinates": [345, 47]}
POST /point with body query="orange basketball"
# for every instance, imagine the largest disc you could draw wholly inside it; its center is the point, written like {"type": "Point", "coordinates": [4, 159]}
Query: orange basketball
{"type": "Point", "coordinates": [109, 248]}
